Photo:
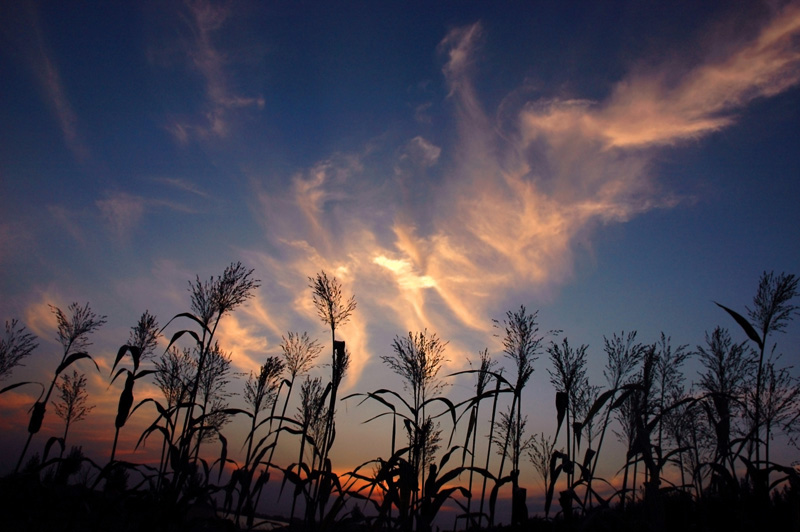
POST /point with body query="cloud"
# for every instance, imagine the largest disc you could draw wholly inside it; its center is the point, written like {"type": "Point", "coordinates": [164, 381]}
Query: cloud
{"type": "Point", "coordinates": [520, 198]}
{"type": "Point", "coordinates": [205, 20]}
{"type": "Point", "coordinates": [39, 317]}
{"type": "Point", "coordinates": [122, 212]}
{"type": "Point", "coordinates": [499, 225]}
{"type": "Point", "coordinates": [421, 152]}
{"type": "Point", "coordinates": [421, 113]}
{"type": "Point", "coordinates": [27, 36]}
{"type": "Point", "coordinates": [651, 108]}
{"type": "Point", "coordinates": [69, 221]}
{"type": "Point", "coordinates": [243, 341]}
{"type": "Point", "coordinates": [15, 239]}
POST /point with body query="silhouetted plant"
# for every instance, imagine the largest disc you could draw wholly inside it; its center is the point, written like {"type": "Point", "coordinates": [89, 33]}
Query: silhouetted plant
{"type": "Point", "coordinates": [780, 404]}
{"type": "Point", "coordinates": [506, 431]}
{"type": "Point", "coordinates": [299, 353]}
{"type": "Point", "coordinates": [334, 310]}
{"type": "Point", "coordinates": [522, 343]}
{"type": "Point", "coordinates": [141, 345]}
{"type": "Point", "coordinates": [540, 453]}
{"type": "Point", "coordinates": [568, 376]}
{"type": "Point", "coordinates": [727, 366]}
{"type": "Point", "coordinates": [210, 301]}
{"type": "Point", "coordinates": [310, 412]}
{"type": "Point", "coordinates": [772, 310]}
{"type": "Point", "coordinates": [626, 420]}
{"type": "Point", "coordinates": [173, 373]}
{"type": "Point", "coordinates": [483, 378]}
{"type": "Point", "coordinates": [669, 379]}
{"type": "Point", "coordinates": [730, 417]}
{"type": "Point", "coordinates": [585, 428]}
{"type": "Point", "coordinates": [681, 427]}
{"type": "Point", "coordinates": [418, 359]}
{"type": "Point", "coordinates": [623, 355]}
{"type": "Point", "coordinates": [645, 416]}
{"type": "Point", "coordinates": [73, 335]}
{"type": "Point", "coordinates": [174, 370]}
{"type": "Point", "coordinates": [71, 403]}
{"type": "Point", "coordinates": [498, 389]}
{"type": "Point", "coordinates": [260, 394]}
{"type": "Point", "coordinates": [15, 345]}
{"type": "Point", "coordinates": [213, 395]}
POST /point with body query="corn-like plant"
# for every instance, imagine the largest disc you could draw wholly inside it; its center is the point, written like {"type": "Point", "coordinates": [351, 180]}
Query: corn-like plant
{"type": "Point", "coordinates": [726, 367]}
{"type": "Point", "coordinates": [772, 310]}
{"type": "Point", "coordinates": [213, 396]}
{"type": "Point", "coordinates": [334, 310]}
{"type": "Point", "coordinates": [623, 355]}
{"type": "Point", "coordinates": [418, 359]}
{"type": "Point", "coordinates": [540, 453]}
{"type": "Point", "coordinates": [174, 371]}
{"type": "Point", "coordinates": [299, 353]}
{"type": "Point", "coordinates": [210, 301]}
{"type": "Point", "coordinates": [310, 419]}
{"type": "Point", "coordinates": [780, 404]}
{"type": "Point", "coordinates": [483, 378]}
{"type": "Point", "coordinates": [73, 335]}
{"type": "Point", "coordinates": [15, 345]}
{"type": "Point", "coordinates": [71, 404]}
{"type": "Point", "coordinates": [260, 394]}
{"type": "Point", "coordinates": [141, 346]}
{"type": "Point", "coordinates": [568, 376]}
{"type": "Point", "coordinates": [522, 343]}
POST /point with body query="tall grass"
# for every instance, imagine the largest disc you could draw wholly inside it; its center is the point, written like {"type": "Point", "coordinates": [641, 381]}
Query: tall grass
{"type": "Point", "coordinates": [715, 432]}
{"type": "Point", "coordinates": [73, 334]}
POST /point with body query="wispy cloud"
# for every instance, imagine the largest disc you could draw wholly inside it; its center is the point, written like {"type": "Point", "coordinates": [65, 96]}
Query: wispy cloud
{"type": "Point", "coordinates": [185, 185]}
{"type": "Point", "coordinates": [15, 238]}
{"type": "Point", "coordinates": [519, 201]}
{"type": "Point", "coordinates": [419, 152]}
{"type": "Point", "coordinates": [69, 221]}
{"type": "Point", "coordinates": [205, 19]}
{"type": "Point", "coordinates": [39, 317]}
{"type": "Point", "coordinates": [504, 221]}
{"type": "Point", "coordinates": [651, 108]}
{"type": "Point", "coordinates": [28, 37]}
{"type": "Point", "coordinates": [122, 212]}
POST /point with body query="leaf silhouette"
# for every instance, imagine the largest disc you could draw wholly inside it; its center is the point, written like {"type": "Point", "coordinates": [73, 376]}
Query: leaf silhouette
{"type": "Point", "coordinates": [744, 324]}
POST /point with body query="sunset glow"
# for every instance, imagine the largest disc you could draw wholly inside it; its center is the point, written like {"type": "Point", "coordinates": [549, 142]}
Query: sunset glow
{"type": "Point", "coordinates": [618, 166]}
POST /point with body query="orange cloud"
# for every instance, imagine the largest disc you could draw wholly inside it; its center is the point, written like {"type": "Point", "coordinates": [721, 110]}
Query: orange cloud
{"type": "Point", "coordinates": [515, 199]}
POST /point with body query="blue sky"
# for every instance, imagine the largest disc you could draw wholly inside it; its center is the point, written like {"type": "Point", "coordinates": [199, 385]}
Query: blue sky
{"type": "Point", "coordinates": [616, 165]}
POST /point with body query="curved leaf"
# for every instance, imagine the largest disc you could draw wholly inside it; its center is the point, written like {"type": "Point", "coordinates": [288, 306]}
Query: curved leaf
{"type": "Point", "coordinates": [18, 384]}
{"type": "Point", "coordinates": [562, 402]}
{"type": "Point", "coordinates": [179, 334]}
{"type": "Point", "coordinates": [72, 358]}
{"type": "Point", "coordinates": [192, 317]}
{"type": "Point", "coordinates": [121, 353]}
{"type": "Point", "coordinates": [145, 373]}
{"type": "Point", "coordinates": [120, 372]}
{"type": "Point", "coordinates": [223, 454]}
{"type": "Point", "coordinates": [597, 405]}
{"type": "Point", "coordinates": [744, 324]}
{"type": "Point", "coordinates": [49, 444]}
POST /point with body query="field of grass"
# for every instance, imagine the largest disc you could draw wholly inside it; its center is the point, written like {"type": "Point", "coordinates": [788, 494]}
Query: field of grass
{"type": "Point", "coordinates": [699, 453]}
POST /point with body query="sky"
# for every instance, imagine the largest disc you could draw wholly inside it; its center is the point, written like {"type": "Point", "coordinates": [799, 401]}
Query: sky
{"type": "Point", "coordinates": [615, 165]}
